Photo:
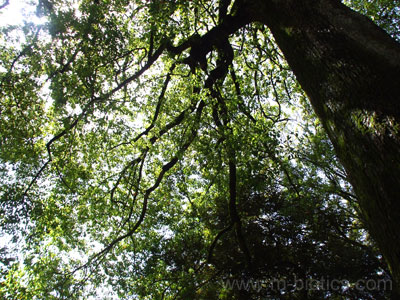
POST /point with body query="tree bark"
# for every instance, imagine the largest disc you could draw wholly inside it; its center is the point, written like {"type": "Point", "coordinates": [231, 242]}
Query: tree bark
{"type": "Point", "coordinates": [350, 69]}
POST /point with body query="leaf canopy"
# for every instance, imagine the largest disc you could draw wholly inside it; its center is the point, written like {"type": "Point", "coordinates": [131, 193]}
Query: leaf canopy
{"type": "Point", "coordinates": [130, 170]}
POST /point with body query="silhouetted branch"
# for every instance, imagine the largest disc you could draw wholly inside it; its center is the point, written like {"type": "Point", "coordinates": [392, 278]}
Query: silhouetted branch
{"type": "Point", "coordinates": [6, 2]}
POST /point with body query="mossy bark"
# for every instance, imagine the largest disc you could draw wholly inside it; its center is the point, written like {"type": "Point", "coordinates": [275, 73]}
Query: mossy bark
{"type": "Point", "coordinates": [350, 69]}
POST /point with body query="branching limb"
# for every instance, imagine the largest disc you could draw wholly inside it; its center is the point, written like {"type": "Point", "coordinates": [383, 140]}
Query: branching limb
{"type": "Point", "coordinates": [241, 105]}
{"type": "Point", "coordinates": [278, 116]}
{"type": "Point", "coordinates": [6, 2]}
{"type": "Point", "coordinates": [89, 105]}
{"type": "Point", "coordinates": [66, 66]}
{"type": "Point", "coordinates": [225, 57]}
{"type": "Point", "coordinates": [23, 52]}
{"type": "Point", "coordinates": [156, 113]}
{"type": "Point", "coordinates": [217, 38]}
{"type": "Point", "coordinates": [178, 120]}
{"type": "Point", "coordinates": [235, 219]}
{"type": "Point", "coordinates": [25, 193]}
{"type": "Point", "coordinates": [216, 239]}
{"type": "Point", "coordinates": [233, 213]}
{"type": "Point", "coordinates": [223, 10]}
{"type": "Point", "coordinates": [123, 172]}
{"type": "Point", "coordinates": [165, 168]}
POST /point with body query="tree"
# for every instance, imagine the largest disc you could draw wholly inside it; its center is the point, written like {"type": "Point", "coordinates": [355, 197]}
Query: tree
{"type": "Point", "coordinates": [141, 91]}
{"type": "Point", "coordinates": [355, 97]}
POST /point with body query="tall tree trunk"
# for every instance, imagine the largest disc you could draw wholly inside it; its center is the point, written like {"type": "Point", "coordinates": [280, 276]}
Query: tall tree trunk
{"type": "Point", "coordinates": [350, 69]}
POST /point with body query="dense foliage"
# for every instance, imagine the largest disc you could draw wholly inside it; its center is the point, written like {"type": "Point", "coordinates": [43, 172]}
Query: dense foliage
{"type": "Point", "coordinates": [128, 169]}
